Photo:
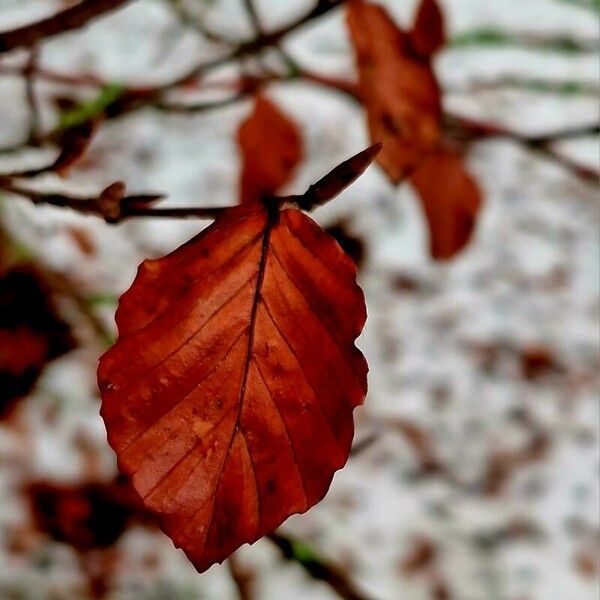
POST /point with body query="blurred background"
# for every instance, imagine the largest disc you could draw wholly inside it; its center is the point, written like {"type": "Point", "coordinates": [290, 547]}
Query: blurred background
{"type": "Point", "coordinates": [475, 469]}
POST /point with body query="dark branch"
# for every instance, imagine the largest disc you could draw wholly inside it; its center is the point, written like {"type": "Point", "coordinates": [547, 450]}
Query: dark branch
{"type": "Point", "coordinates": [113, 205]}
{"type": "Point", "coordinates": [316, 567]}
{"type": "Point", "coordinates": [255, 45]}
{"type": "Point", "coordinates": [66, 20]}
{"type": "Point", "coordinates": [34, 113]}
{"type": "Point", "coordinates": [201, 107]}
{"type": "Point", "coordinates": [472, 130]}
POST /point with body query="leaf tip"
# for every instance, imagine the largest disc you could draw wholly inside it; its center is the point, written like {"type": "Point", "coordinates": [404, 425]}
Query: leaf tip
{"type": "Point", "coordinates": [375, 149]}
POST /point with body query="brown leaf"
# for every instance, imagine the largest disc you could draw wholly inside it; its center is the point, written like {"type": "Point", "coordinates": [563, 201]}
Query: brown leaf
{"type": "Point", "coordinates": [228, 396]}
{"type": "Point", "coordinates": [271, 147]}
{"type": "Point", "coordinates": [450, 199]}
{"type": "Point", "coordinates": [428, 35]}
{"type": "Point", "coordinates": [502, 464]}
{"type": "Point", "coordinates": [422, 443]}
{"type": "Point", "coordinates": [422, 556]}
{"type": "Point", "coordinates": [538, 361]}
{"type": "Point", "coordinates": [86, 516]}
{"type": "Point", "coordinates": [397, 87]}
{"type": "Point", "coordinates": [31, 333]}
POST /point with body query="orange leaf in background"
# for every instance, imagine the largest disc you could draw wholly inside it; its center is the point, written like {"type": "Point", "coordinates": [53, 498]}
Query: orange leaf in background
{"type": "Point", "coordinates": [271, 147]}
{"type": "Point", "coordinates": [31, 333]}
{"type": "Point", "coordinates": [427, 35]}
{"type": "Point", "coordinates": [451, 200]}
{"type": "Point", "coordinates": [397, 88]}
{"type": "Point", "coordinates": [228, 396]}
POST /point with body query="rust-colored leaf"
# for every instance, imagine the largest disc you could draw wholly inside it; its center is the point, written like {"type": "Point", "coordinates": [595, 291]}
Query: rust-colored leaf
{"type": "Point", "coordinates": [397, 88]}
{"type": "Point", "coordinates": [428, 35]}
{"type": "Point", "coordinates": [271, 147]}
{"type": "Point", "coordinates": [31, 333]}
{"type": "Point", "coordinates": [87, 516]}
{"type": "Point", "coordinates": [451, 200]}
{"type": "Point", "coordinates": [228, 396]}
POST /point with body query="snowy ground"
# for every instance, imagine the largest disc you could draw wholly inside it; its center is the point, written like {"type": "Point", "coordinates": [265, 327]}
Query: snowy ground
{"type": "Point", "coordinates": [448, 344]}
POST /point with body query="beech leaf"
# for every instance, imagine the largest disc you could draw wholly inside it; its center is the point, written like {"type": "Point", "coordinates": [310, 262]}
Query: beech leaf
{"type": "Point", "coordinates": [31, 332]}
{"type": "Point", "coordinates": [228, 396]}
{"type": "Point", "coordinates": [428, 35]}
{"type": "Point", "coordinates": [451, 200]}
{"type": "Point", "coordinates": [397, 87]}
{"type": "Point", "coordinates": [271, 147]}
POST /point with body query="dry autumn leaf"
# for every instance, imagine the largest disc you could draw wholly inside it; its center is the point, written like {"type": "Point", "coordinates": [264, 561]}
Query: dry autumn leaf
{"type": "Point", "coordinates": [402, 98]}
{"type": "Point", "coordinates": [31, 333]}
{"type": "Point", "coordinates": [271, 147]}
{"type": "Point", "coordinates": [228, 396]}
{"type": "Point", "coordinates": [451, 200]}
{"type": "Point", "coordinates": [397, 87]}
{"type": "Point", "coordinates": [428, 35]}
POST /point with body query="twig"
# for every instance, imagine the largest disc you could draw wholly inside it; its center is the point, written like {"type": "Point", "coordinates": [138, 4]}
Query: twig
{"type": "Point", "coordinates": [255, 45]}
{"type": "Point", "coordinates": [134, 99]}
{"type": "Point", "coordinates": [84, 79]}
{"type": "Point", "coordinates": [316, 567]}
{"type": "Point", "coordinates": [259, 29]}
{"type": "Point", "coordinates": [113, 205]}
{"type": "Point", "coordinates": [28, 72]}
{"type": "Point", "coordinates": [566, 88]}
{"type": "Point", "coordinates": [473, 129]}
{"type": "Point", "coordinates": [242, 578]}
{"type": "Point", "coordinates": [202, 107]}
{"type": "Point", "coordinates": [251, 10]}
{"type": "Point", "coordinates": [66, 20]}
{"type": "Point", "coordinates": [541, 143]}
{"type": "Point", "coordinates": [499, 37]}
{"type": "Point", "coordinates": [188, 20]}
{"type": "Point", "coordinates": [190, 212]}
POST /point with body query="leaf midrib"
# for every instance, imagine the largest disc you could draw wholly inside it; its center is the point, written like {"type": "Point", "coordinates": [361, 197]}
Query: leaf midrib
{"type": "Point", "coordinates": [251, 328]}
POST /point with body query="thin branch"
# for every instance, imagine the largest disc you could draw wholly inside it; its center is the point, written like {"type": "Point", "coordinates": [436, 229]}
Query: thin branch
{"type": "Point", "coordinates": [316, 567]}
{"type": "Point", "coordinates": [201, 107]}
{"type": "Point", "coordinates": [500, 37]}
{"type": "Point", "coordinates": [472, 129]}
{"type": "Point", "coordinates": [34, 117]}
{"type": "Point", "coordinates": [66, 20]}
{"type": "Point", "coordinates": [190, 212]}
{"type": "Point", "coordinates": [133, 99]}
{"type": "Point", "coordinates": [84, 79]}
{"type": "Point", "coordinates": [563, 88]}
{"type": "Point", "coordinates": [254, 18]}
{"type": "Point", "coordinates": [255, 45]}
{"type": "Point", "coordinates": [188, 20]}
{"type": "Point", "coordinates": [113, 205]}
{"type": "Point", "coordinates": [242, 578]}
